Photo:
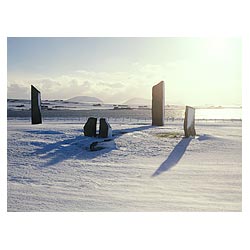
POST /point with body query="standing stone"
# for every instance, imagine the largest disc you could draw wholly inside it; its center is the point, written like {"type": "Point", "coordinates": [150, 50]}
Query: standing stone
{"type": "Point", "coordinates": [90, 127]}
{"type": "Point", "coordinates": [189, 122]}
{"type": "Point", "coordinates": [158, 104]}
{"type": "Point", "coordinates": [105, 129]}
{"type": "Point", "coordinates": [36, 114]}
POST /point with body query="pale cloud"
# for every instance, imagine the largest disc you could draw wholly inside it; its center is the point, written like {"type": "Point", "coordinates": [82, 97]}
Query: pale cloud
{"type": "Point", "coordinates": [18, 91]}
{"type": "Point", "coordinates": [184, 84]}
{"type": "Point", "coordinates": [108, 86]}
{"type": "Point", "coordinates": [112, 85]}
{"type": "Point", "coordinates": [45, 84]}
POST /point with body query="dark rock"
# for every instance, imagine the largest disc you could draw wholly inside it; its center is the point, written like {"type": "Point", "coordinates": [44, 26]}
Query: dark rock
{"type": "Point", "coordinates": [36, 115]}
{"type": "Point", "coordinates": [105, 129]}
{"type": "Point", "coordinates": [93, 146]}
{"type": "Point", "coordinates": [90, 127]}
{"type": "Point", "coordinates": [158, 104]}
{"type": "Point", "coordinates": [99, 145]}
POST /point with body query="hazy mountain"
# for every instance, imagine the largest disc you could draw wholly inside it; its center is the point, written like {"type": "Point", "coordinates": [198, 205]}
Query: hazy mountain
{"type": "Point", "coordinates": [85, 99]}
{"type": "Point", "coordinates": [138, 101]}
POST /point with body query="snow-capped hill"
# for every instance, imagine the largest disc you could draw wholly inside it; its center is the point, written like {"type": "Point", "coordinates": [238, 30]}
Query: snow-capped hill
{"type": "Point", "coordinates": [85, 99]}
{"type": "Point", "coordinates": [138, 101]}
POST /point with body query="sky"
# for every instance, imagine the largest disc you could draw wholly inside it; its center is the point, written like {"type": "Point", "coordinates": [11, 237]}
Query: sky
{"type": "Point", "coordinates": [196, 71]}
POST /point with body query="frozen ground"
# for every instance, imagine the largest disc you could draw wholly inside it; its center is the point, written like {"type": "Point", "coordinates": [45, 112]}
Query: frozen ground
{"type": "Point", "coordinates": [50, 168]}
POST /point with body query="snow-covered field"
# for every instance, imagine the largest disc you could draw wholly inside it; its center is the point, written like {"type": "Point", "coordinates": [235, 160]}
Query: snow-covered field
{"type": "Point", "coordinates": [145, 168]}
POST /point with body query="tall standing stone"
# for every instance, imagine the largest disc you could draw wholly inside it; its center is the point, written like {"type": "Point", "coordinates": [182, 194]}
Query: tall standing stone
{"type": "Point", "coordinates": [90, 127]}
{"type": "Point", "coordinates": [105, 129]}
{"type": "Point", "coordinates": [158, 104]}
{"type": "Point", "coordinates": [189, 122]}
{"type": "Point", "coordinates": [36, 114]}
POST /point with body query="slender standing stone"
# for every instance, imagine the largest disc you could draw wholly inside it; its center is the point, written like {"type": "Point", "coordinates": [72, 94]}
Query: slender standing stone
{"type": "Point", "coordinates": [158, 104]}
{"type": "Point", "coordinates": [189, 122]}
{"type": "Point", "coordinates": [105, 129]}
{"type": "Point", "coordinates": [36, 114]}
{"type": "Point", "coordinates": [90, 127]}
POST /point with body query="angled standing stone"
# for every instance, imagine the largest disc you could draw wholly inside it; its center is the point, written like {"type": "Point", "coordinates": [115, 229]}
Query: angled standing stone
{"type": "Point", "coordinates": [90, 127]}
{"type": "Point", "coordinates": [158, 104]}
{"type": "Point", "coordinates": [105, 129]}
{"type": "Point", "coordinates": [189, 122]}
{"type": "Point", "coordinates": [36, 114]}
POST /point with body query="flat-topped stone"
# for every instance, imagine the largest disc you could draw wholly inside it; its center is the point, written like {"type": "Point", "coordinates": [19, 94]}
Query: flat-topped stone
{"type": "Point", "coordinates": [189, 122]}
{"type": "Point", "coordinates": [158, 104]}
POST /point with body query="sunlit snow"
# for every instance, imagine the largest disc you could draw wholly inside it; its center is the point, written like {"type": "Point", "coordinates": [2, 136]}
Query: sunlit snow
{"type": "Point", "coordinates": [50, 167]}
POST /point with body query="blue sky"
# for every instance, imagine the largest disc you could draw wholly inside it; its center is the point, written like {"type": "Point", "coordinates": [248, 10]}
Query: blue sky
{"type": "Point", "coordinates": [196, 71]}
{"type": "Point", "coordinates": [63, 55]}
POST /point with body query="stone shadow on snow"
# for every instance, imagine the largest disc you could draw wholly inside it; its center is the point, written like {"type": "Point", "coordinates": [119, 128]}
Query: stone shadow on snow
{"type": "Point", "coordinates": [174, 157]}
{"type": "Point", "coordinates": [76, 147]}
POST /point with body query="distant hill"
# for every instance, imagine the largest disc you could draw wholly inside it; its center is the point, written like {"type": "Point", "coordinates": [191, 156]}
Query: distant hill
{"type": "Point", "coordinates": [138, 101]}
{"type": "Point", "coordinates": [85, 99]}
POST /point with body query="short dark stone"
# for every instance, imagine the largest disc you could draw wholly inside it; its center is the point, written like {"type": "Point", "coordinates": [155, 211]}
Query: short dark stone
{"type": "Point", "coordinates": [90, 127]}
{"type": "Point", "coordinates": [105, 129]}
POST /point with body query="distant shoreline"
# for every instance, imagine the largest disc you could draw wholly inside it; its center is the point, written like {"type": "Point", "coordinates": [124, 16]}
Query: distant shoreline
{"type": "Point", "coordinates": [207, 106]}
{"type": "Point", "coordinates": [58, 108]}
{"type": "Point", "coordinates": [138, 114]}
